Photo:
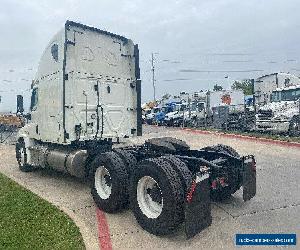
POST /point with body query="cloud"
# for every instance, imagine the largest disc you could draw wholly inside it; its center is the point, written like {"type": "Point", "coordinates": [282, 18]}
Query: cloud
{"type": "Point", "coordinates": [203, 35]}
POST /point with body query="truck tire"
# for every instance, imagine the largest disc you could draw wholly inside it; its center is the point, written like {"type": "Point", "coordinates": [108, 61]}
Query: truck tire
{"type": "Point", "coordinates": [167, 144]}
{"type": "Point", "coordinates": [294, 128]}
{"type": "Point", "coordinates": [21, 155]}
{"type": "Point", "coordinates": [110, 182]}
{"type": "Point", "coordinates": [185, 175]}
{"type": "Point", "coordinates": [160, 145]}
{"type": "Point", "coordinates": [221, 148]}
{"type": "Point", "coordinates": [156, 196]}
{"type": "Point", "coordinates": [178, 144]}
{"type": "Point", "coordinates": [128, 159]}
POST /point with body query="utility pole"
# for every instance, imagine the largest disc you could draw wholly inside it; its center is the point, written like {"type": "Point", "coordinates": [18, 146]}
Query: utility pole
{"type": "Point", "coordinates": [153, 76]}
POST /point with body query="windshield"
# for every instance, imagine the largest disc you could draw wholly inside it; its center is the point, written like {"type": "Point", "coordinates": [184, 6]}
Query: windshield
{"type": "Point", "coordinates": [286, 95]}
{"type": "Point", "coordinates": [177, 107]}
{"type": "Point", "coordinates": [180, 107]}
{"type": "Point", "coordinates": [166, 109]}
{"type": "Point", "coordinates": [197, 106]}
{"type": "Point", "coordinates": [194, 107]}
{"type": "Point", "coordinates": [201, 106]}
{"type": "Point", "coordinates": [156, 110]}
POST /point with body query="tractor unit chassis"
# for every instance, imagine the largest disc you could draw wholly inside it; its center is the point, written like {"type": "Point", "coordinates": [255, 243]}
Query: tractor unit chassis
{"type": "Point", "coordinates": [163, 181]}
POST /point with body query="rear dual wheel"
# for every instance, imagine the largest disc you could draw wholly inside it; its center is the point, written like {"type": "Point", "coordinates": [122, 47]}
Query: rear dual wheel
{"type": "Point", "coordinates": [110, 172]}
{"type": "Point", "coordinates": [110, 182]}
{"type": "Point", "coordinates": [156, 189]}
{"type": "Point", "coordinates": [157, 195]}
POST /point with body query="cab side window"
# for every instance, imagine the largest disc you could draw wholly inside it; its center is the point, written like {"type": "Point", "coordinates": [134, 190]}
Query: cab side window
{"type": "Point", "coordinates": [34, 99]}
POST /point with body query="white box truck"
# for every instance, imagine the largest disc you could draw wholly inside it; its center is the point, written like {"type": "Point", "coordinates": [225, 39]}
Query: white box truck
{"type": "Point", "coordinates": [205, 104]}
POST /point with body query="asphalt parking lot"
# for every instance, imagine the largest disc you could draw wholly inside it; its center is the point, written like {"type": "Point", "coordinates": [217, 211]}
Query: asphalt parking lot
{"type": "Point", "coordinates": [275, 209]}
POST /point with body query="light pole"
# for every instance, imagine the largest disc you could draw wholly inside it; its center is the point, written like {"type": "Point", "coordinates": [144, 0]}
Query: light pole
{"type": "Point", "coordinates": [153, 76]}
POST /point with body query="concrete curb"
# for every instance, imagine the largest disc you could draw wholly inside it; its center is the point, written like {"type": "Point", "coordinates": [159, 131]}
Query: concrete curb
{"type": "Point", "coordinates": [244, 137]}
{"type": "Point", "coordinates": [89, 242]}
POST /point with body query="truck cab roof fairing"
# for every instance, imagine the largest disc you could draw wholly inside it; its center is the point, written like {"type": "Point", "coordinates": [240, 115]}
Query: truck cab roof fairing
{"type": "Point", "coordinates": [82, 26]}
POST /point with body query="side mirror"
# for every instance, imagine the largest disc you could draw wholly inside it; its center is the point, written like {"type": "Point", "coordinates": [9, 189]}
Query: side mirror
{"type": "Point", "coordinates": [28, 116]}
{"type": "Point", "coordinates": [20, 106]}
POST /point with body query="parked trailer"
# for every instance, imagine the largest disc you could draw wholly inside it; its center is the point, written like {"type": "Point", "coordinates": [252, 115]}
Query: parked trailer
{"type": "Point", "coordinates": [210, 102]}
{"type": "Point", "coordinates": [234, 99]}
{"type": "Point", "coordinates": [85, 100]}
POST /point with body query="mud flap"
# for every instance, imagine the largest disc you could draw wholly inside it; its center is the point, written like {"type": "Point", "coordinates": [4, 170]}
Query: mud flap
{"type": "Point", "coordinates": [249, 178]}
{"type": "Point", "coordinates": [198, 206]}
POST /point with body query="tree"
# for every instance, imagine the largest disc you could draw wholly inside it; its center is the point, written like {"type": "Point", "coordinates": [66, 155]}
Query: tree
{"type": "Point", "coordinates": [217, 87]}
{"type": "Point", "coordinates": [245, 85]}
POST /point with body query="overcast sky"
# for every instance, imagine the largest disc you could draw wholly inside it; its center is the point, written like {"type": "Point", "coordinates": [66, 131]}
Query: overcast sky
{"type": "Point", "coordinates": [197, 42]}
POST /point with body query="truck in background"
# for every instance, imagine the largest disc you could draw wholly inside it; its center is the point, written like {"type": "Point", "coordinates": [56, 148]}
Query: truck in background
{"type": "Point", "coordinates": [150, 117]}
{"type": "Point", "coordinates": [168, 108]}
{"type": "Point", "coordinates": [11, 122]}
{"type": "Point", "coordinates": [175, 117]}
{"type": "Point", "coordinates": [201, 107]}
{"type": "Point", "coordinates": [282, 114]}
{"type": "Point", "coordinates": [265, 85]}
{"type": "Point", "coordinates": [205, 105]}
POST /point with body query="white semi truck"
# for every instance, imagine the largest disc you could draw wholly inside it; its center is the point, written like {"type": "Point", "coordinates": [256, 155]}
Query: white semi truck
{"type": "Point", "coordinates": [86, 98]}
{"type": "Point", "coordinates": [282, 114]}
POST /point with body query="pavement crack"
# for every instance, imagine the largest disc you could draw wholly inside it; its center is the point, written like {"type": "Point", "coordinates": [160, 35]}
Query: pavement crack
{"type": "Point", "coordinates": [266, 210]}
{"type": "Point", "coordinates": [224, 210]}
{"type": "Point", "coordinates": [125, 233]}
{"type": "Point", "coordinates": [81, 208]}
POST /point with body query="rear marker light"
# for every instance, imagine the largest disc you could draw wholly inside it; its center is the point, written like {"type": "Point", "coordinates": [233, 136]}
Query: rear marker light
{"type": "Point", "coordinates": [191, 192]}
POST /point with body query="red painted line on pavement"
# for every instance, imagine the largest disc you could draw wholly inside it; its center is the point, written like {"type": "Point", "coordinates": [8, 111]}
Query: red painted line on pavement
{"type": "Point", "coordinates": [244, 137]}
{"type": "Point", "coordinates": [103, 231]}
